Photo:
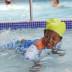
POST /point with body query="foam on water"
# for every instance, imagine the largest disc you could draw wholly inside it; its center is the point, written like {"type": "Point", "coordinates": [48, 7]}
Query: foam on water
{"type": "Point", "coordinates": [4, 7]}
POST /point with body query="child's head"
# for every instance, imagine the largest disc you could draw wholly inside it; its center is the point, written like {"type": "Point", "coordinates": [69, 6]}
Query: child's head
{"type": "Point", "coordinates": [53, 32]}
{"type": "Point", "coordinates": [8, 2]}
{"type": "Point", "coordinates": [56, 1]}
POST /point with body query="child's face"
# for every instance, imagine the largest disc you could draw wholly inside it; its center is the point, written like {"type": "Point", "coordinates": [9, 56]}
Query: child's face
{"type": "Point", "coordinates": [51, 39]}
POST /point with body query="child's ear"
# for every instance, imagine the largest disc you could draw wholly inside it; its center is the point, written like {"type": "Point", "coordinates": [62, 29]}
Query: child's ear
{"type": "Point", "coordinates": [44, 31]}
{"type": "Point", "coordinates": [60, 39]}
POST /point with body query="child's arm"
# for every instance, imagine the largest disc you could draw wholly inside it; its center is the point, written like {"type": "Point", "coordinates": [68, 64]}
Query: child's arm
{"type": "Point", "coordinates": [52, 3]}
{"type": "Point", "coordinates": [31, 53]}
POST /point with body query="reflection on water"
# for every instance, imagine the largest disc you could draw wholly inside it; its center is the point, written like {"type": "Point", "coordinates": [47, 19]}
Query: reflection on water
{"type": "Point", "coordinates": [36, 67]}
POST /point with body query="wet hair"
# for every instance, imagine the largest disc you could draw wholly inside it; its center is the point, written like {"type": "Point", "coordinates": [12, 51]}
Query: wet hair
{"type": "Point", "coordinates": [56, 1]}
{"type": "Point", "coordinates": [8, 2]}
{"type": "Point", "coordinates": [46, 30]}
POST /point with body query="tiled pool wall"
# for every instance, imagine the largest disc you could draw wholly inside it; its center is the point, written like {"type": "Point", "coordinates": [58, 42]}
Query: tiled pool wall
{"type": "Point", "coordinates": [13, 25]}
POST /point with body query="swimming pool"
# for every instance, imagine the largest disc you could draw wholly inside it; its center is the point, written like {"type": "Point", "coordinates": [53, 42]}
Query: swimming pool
{"type": "Point", "coordinates": [41, 10]}
{"type": "Point", "coordinates": [10, 61]}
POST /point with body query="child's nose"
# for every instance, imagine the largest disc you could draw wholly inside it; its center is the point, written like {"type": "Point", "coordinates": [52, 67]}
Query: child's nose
{"type": "Point", "coordinates": [50, 39]}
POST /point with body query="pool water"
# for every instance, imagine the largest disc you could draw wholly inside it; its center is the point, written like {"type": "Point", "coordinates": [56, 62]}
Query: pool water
{"type": "Point", "coordinates": [11, 61]}
{"type": "Point", "coordinates": [41, 10]}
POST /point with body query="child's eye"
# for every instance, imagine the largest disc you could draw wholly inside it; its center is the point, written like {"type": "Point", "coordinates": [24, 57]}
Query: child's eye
{"type": "Point", "coordinates": [54, 38]}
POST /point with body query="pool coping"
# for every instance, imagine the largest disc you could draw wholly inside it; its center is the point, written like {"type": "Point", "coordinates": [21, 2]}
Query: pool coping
{"type": "Point", "coordinates": [67, 19]}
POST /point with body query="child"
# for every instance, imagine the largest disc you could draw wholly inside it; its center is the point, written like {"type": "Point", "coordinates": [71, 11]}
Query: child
{"type": "Point", "coordinates": [8, 2]}
{"type": "Point", "coordinates": [52, 36]}
{"type": "Point", "coordinates": [9, 5]}
{"type": "Point", "coordinates": [55, 3]}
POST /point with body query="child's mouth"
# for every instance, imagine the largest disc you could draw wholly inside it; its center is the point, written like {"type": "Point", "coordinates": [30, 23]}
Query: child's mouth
{"type": "Point", "coordinates": [49, 44]}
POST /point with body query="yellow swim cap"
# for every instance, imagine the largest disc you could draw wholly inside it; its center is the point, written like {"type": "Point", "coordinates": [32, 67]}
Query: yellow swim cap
{"type": "Point", "coordinates": [56, 25]}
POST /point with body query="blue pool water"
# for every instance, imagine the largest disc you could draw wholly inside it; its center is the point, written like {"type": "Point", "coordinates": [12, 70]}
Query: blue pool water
{"type": "Point", "coordinates": [42, 9]}
{"type": "Point", "coordinates": [11, 61]}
